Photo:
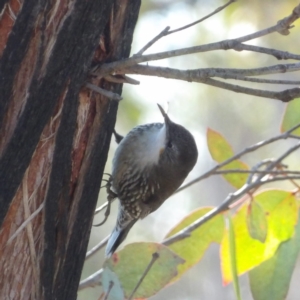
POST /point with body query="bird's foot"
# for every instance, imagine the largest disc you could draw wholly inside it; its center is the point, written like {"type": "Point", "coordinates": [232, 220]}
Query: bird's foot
{"type": "Point", "coordinates": [111, 196]}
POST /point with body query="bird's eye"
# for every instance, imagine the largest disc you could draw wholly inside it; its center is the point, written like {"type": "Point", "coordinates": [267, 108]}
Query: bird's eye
{"type": "Point", "coordinates": [169, 144]}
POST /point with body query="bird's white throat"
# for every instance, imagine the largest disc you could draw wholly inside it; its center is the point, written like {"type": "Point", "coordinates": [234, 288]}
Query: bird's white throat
{"type": "Point", "coordinates": [151, 145]}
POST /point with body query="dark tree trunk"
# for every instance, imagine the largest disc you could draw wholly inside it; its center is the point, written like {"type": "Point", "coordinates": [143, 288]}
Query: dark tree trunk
{"type": "Point", "coordinates": [54, 136]}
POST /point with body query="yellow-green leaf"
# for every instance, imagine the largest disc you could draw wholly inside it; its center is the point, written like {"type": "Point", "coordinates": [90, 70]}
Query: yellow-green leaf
{"type": "Point", "coordinates": [220, 151]}
{"type": "Point", "coordinates": [232, 258]}
{"type": "Point", "coordinates": [281, 212]}
{"type": "Point", "coordinates": [193, 247]}
{"type": "Point", "coordinates": [257, 221]}
{"type": "Point", "coordinates": [219, 148]}
{"type": "Point", "coordinates": [291, 116]}
{"type": "Point", "coordinates": [271, 279]}
{"type": "Point", "coordinates": [130, 264]}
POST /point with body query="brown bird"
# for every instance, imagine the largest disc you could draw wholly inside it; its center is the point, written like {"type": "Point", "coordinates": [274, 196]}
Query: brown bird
{"type": "Point", "coordinates": [150, 163]}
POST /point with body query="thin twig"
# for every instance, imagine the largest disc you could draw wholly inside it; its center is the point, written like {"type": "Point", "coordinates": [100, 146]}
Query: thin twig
{"type": "Point", "coordinates": [263, 163]}
{"type": "Point", "coordinates": [167, 30]}
{"type": "Point", "coordinates": [261, 80]}
{"type": "Point", "coordinates": [154, 40]}
{"type": "Point", "coordinates": [293, 136]}
{"type": "Point", "coordinates": [106, 93]}
{"type": "Point", "coordinates": [91, 281]}
{"type": "Point", "coordinates": [252, 148]}
{"type": "Point", "coordinates": [197, 76]}
{"type": "Point", "coordinates": [97, 248]}
{"type": "Point", "coordinates": [235, 171]}
{"type": "Point", "coordinates": [232, 197]}
{"type": "Point", "coordinates": [225, 73]}
{"type": "Point", "coordinates": [155, 256]}
{"type": "Point", "coordinates": [284, 96]}
{"type": "Point", "coordinates": [121, 78]}
{"type": "Point", "coordinates": [118, 66]}
{"type": "Point", "coordinates": [102, 207]}
{"type": "Point", "coordinates": [204, 18]}
{"type": "Point", "coordinates": [221, 208]}
{"type": "Point", "coordinates": [274, 52]}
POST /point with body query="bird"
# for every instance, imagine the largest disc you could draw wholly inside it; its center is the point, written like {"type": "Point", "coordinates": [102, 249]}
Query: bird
{"type": "Point", "coordinates": [149, 165]}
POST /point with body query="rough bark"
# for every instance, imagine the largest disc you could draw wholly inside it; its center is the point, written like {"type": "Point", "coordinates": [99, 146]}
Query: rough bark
{"type": "Point", "coordinates": [54, 136]}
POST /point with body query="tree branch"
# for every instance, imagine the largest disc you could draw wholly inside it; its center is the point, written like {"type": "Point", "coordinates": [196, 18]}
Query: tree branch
{"type": "Point", "coordinates": [282, 27]}
{"type": "Point", "coordinates": [91, 281]}
{"type": "Point", "coordinates": [98, 247]}
{"type": "Point", "coordinates": [283, 136]}
{"type": "Point", "coordinates": [232, 197]}
{"type": "Point", "coordinates": [202, 76]}
{"type": "Point", "coordinates": [167, 31]}
{"type": "Point", "coordinates": [106, 93]}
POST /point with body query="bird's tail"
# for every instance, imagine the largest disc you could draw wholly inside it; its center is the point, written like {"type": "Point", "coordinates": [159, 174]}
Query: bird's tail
{"type": "Point", "coordinates": [117, 237]}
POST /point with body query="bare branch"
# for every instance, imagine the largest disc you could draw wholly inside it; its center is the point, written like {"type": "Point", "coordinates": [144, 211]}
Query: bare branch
{"type": "Point", "coordinates": [99, 90]}
{"type": "Point", "coordinates": [284, 96]}
{"type": "Point", "coordinates": [201, 77]}
{"type": "Point", "coordinates": [154, 40]}
{"type": "Point", "coordinates": [99, 209]}
{"type": "Point", "coordinates": [276, 173]}
{"type": "Point", "coordinates": [282, 27]}
{"type": "Point", "coordinates": [121, 78]}
{"type": "Point", "coordinates": [97, 248]}
{"type": "Point", "coordinates": [167, 31]}
{"type": "Point", "coordinates": [232, 197]}
{"type": "Point", "coordinates": [283, 136]}
{"type": "Point", "coordinates": [204, 18]}
{"type": "Point", "coordinates": [223, 207]}
{"type": "Point", "coordinates": [276, 53]}
{"type": "Point", "coordinates": [260, 80]}
{"type": "Point", "coordinates": [229, 73]}
{"type": "Point", "coordinates": [91, 281]}
{"type": "Point", "coordinates": [226, 73]}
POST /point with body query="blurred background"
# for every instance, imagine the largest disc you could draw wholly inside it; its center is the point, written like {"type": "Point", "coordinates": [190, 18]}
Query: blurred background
{"type": "Point", "coordinates": [243, 120]}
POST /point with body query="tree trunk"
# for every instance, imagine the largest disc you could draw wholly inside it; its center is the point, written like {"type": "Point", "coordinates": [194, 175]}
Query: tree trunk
{"type": "Point", "coordinates": [54, 136]}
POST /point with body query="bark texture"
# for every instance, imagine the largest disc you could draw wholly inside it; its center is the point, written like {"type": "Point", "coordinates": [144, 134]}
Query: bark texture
{"type": "Point", "coordinates": [54, 136]}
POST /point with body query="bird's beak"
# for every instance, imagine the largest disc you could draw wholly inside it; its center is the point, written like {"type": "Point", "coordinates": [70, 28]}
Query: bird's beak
{"type": "Point", "coordinates": [167, 124]}
{"type": "Point", "coordinates": [166, 117]}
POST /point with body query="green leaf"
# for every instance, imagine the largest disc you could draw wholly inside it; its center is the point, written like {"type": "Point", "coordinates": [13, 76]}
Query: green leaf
{"type": "Point", "coordinates": [220, 151]}
{"type": "Point", "coordinates": [271, 279]}
{"type": "Point", "coordinates": [232, 253]}
{"type": "Point", "coordinates": [192, 248]}
{"type": "Point", "coordinates": [281, 208]}
{"type": "Point", "coordinates": [257, 222]}
{"type": "Point", "coordinates": [291, 116]}
{"type": "Point", "coordinates": [281, 212]}
{"type": "Point", "coordinates": [130, 264]}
